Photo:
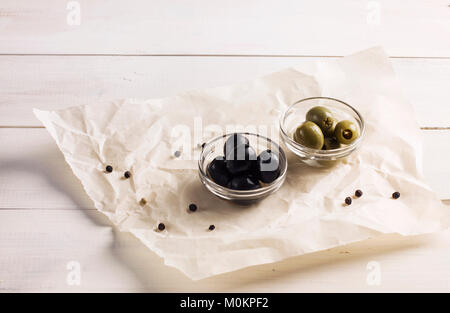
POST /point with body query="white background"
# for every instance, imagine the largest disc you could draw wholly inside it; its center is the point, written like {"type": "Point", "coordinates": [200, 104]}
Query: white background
{"type": "Point", "coordinates": [52, 57]}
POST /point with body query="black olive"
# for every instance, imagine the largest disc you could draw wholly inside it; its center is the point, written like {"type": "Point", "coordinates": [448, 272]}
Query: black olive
{"type": "Point", "coordinates": [109, 168]}
{"type": "Point", "coordinates": [268, 165]}
{"type": "Point", "coordinates": [348, 200]}
{"type": "Point", "coordinates": [218, 172]}
{"type": "Point", "coordinates": [234, 141]}
{"type": "Point", "coordinates": [330, 143]}
{"type": "Point", "coordinates": [161, 226]}
{"type": "Point", "coordinates": [244, 182]}
{"type": "Point", "coordinates": [396, 195]}
{"type": "Point", "coordinates": [192, 207]}
{"type": "Point", "coordinates": [127, 174]}
{"type": "Point", "coordinates": [358, 193]}
{"type": "Point", "coordinates": [241, 159]}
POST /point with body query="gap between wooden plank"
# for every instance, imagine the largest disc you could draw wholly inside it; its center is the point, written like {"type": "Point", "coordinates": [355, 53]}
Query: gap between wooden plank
{"type": "Point", "coordinates": [208, 55]}
{"type": "Point", "coordinates": [16, 126]}
{"type": "Point", "coordinates": [435, 128]}
{"type": "Point", "coordinates": [64, 209]}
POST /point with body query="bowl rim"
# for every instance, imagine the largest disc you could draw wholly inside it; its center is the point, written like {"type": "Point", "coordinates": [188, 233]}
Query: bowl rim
{"type": "Point", "coordinates": [238, 193]}
{"type": "Point", "coordinates": [339, 152]}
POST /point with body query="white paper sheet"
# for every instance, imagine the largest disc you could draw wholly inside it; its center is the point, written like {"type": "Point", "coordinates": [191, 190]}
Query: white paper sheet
{"type": "Point", "coordinates": [306, 215]}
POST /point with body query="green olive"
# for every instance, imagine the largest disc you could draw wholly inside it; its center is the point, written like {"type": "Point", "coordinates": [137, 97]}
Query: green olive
{"type": "Point", "coordinates": [330, 143]}
{"type": "Point", "coordinates": [323, 118]}
{"type": "Point", "coordinates": [346, 132]}
{"type": "Point", "coordinates": [309, 135]}
{"type": "Point", "coordinates": [328, 126]}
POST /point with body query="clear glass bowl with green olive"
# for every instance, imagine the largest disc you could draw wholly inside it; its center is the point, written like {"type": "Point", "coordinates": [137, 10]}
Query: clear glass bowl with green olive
{"type": "Point", "coordinates": [322, 130]}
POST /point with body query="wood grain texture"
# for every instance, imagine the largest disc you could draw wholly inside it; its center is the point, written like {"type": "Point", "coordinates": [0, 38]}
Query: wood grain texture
{"type": "Point", "coordinates": [34, 175]}
{"type": "Point", "coordinates": [46, 219]}
{"type": "Point", "coordinates": [286, 27]}
{"type": "Point", "coordinates": [57, 82]}
{"type": "Point", "coordinates": [37, 245]}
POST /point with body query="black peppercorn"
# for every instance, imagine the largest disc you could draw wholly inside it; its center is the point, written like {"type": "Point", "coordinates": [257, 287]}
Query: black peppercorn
{"type": "Point", "coordinates": [109, 168]}
{"type": "Point", "coordinates": [161, 226]}
{"type": "Point", "coordinates": [177, 154]}
{"type": "Point", "coordinates": [127, 174]}
{"type": "Point", "coordinates": [212, 227]}
{"type": "Point", "coordinates": [192, 207]}
{"type": "Point", "coordinates": [396, 195]}
{"type": "Point", "coordinates": [358, 193]}
{"type": "Point", "coordinates": [348, 200]}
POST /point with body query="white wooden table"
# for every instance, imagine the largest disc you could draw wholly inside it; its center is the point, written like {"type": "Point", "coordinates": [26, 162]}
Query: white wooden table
{"type": "Point", "coordinates": [49, 59]}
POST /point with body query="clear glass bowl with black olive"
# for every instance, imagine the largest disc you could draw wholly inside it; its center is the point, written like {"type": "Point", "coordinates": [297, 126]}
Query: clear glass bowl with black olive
{"type": "Point", "coordinates": [322, 130]}
{"type": "Point", "coordinates": [242, 167]}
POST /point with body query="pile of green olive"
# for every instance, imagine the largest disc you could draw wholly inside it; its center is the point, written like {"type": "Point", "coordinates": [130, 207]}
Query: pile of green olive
{"type": "Point", "coordinates": [322, 131]}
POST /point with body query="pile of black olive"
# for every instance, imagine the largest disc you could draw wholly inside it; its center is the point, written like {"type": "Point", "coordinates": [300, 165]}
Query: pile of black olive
{"type": "Point", "coordinates": [240, 169]}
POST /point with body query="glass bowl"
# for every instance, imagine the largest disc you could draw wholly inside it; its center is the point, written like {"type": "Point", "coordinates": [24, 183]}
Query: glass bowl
{"type": "Point", "coordinates": [214, 148]}
{"type": "Point", "coordinates": [296, 114]}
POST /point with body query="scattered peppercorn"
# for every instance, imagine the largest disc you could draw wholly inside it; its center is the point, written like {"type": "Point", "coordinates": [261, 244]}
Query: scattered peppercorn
{"type": "Point", "coordinates": [192, 207]}
{"type": "Point", "coordinates": [396, 195]}
{"type": "Point", "coordinates": [358, 193]}
{"type": "Point", "coordinates": [348, 200]}
{"type": "Point", "coordinates": [127, 174]}
{"type": "Point", "coordinates": [212, 227]}
{"type": "Point", "coordinates": [109, 168]}
{"type": "Point", "coordinates": [143, 202]}
{"type": "Point", "coordinates": [161, 226]}
{"type": "Point", "coordinates": [177, 154]}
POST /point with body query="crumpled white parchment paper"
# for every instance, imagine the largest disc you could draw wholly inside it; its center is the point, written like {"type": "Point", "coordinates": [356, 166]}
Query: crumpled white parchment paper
{"type": "Point", "coordinates": [307, 214]}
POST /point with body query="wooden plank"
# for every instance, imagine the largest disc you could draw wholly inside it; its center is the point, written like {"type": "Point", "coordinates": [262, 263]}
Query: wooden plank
{"type": "Point", "coordinates": [34, 175]}
{"type": "Point", "coordinates": [36, 246]}
{"type": "Point", "coordinates": [436, 162]}
{"type": "Point", "coordinates": [59, 81]}
{"type": "Point", "coordinates": [420, 28]}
